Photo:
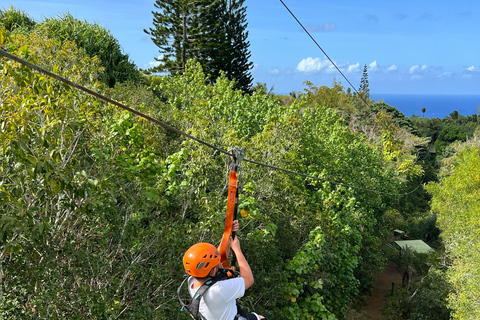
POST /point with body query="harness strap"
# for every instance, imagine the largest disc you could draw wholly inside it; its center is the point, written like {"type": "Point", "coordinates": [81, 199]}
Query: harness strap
{"type": "Point", "coordinates": [232, 199]}
{"type": "Point", "coordinates": [193, 307]}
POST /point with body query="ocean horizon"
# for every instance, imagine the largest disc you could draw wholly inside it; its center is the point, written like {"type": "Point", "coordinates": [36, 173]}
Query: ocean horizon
{"type": "Point", "coordinates": [436, 105]}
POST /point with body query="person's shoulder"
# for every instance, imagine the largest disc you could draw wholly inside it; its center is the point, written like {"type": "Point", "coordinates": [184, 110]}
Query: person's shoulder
{"type": "Point", "coordinates": [229, 280]}
{"type": "Point", "coordinates": [229, 289]}
{"type": "Point", "coordinates": [232, 282]}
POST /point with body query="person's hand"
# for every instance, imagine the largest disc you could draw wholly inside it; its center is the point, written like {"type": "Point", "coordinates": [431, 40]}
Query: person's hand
{"type": "Point", "coordinates": [235, 245]}
{"type": "Point", "coordinates": [235, 226]}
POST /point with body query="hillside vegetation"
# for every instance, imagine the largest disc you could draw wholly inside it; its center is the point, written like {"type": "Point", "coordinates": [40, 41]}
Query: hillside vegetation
{"type": "Point", "coordinates": [99, 205]}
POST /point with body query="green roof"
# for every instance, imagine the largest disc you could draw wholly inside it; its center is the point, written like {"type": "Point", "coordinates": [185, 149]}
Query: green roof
{"type": "Point", "coordinates": [415, 245]}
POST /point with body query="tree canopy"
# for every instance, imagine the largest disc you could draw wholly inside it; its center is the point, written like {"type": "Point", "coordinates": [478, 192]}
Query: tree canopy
{"type": "Point", "coordinates": [210, 32]}
{"type": "Point", "coordinates": [96, 41]}
{"type": "Point", "coordinates": [91, 37]}
{"type": "Point", "coordinates": [455, 198]}
{"type": "Point", "coordinates": [98, 205]}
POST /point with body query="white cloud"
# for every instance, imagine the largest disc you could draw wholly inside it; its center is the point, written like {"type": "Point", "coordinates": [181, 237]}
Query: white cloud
{"type": "Point", "coordinates": [373, 66]}
{"type": "Point", "coordinates": [445, 74]}
{"type": "Point", "coordinates": [155, 63]}
{"type": "Point", "coordinates": [317, 65]}
{"type": "Point", "coordinates": [274, 71]}
{"type": "Point", "coordinates": [417, 69]}
{"type": "Point", "coordinates": [311, 65]}
{"type": "Point", "coordinates": [474, 68]}
{"type": "Point", "coordinates": [413, 69]}
{"type": "Point", "coordinates": [326, 27]}
{"type": "Point", "coordinates": [354, 68]}
{"type": "Point", "coordinates": [392, 68]}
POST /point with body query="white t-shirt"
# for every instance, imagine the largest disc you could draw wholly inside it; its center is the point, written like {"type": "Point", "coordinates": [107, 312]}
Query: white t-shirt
{"type": "Point", "coordinates": [219, 302]}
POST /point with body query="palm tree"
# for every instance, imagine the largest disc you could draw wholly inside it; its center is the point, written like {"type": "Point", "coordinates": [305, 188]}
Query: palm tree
{"type": "Point", "coordinates": [423, 111]}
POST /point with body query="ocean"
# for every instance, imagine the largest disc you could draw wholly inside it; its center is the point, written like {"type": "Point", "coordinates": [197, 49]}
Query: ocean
{"type": "Point", "coordinates": [436, 105]}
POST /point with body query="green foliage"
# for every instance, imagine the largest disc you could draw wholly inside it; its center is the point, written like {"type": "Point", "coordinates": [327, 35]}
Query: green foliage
{"type": "Point", "coordinates": [334, 97]}
{"type": "Point", "coordinates": [364, 85]}
{"type": "Point", "coordinates": [397, 117]}
{"type": "Point", "coordinates": [424, 299]}
{"type": "Point", "coordinates": [452, 133]}
{"type": "Point", "coordinates": [425, 229]}
{"type": "Point", "coordinates": [398, 146]}
{"type": "Point", "coordinates": [96, 41]}
{"type": "Point", "coordinates": [81, 195]}
{"type": "Point", "coordinates": [444, 132]}
{"type": "Point", "coordinates": [232, 55]}
{"type": "Point", "coordinates": [455, 199]}
{"type": "Point", "coordinates": [16, 20]}
{"type": "Point", "coordinates": [179, 31]}
{"type": "Point", "coordinates": [210, 32]}
{"type": "Point", "coordinates": [99, 206]}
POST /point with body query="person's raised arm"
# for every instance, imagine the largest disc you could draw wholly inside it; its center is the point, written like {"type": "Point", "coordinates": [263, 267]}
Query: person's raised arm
{"type": "Point", "coordinates": [245, 271]}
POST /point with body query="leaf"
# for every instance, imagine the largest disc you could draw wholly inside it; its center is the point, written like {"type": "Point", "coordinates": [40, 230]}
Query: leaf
{"type": "Point", "coordinates": [3, 36]}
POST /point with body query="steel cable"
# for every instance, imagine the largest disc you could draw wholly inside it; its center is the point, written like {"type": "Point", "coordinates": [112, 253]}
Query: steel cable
{"type": "Point", "coordinates": [169, 127]}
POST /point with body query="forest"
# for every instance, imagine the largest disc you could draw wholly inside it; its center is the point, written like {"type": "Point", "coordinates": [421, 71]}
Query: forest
{"type": "Point", "coordinates": [98, 205]}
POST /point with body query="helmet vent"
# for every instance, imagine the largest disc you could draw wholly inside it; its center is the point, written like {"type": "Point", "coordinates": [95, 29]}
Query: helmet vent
{"type": "Point", "coordinates": [206, 266]}
{"type": "Point", "coordinates": [200, 265]}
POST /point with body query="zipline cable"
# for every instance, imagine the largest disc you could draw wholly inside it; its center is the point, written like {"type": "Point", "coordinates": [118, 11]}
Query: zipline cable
{"type": "Point", "coordinates": [326, 55]}
{"type": "Point", "coordinates": [102, 97]}
{"type": "Point", "coordinates": [169, 127]}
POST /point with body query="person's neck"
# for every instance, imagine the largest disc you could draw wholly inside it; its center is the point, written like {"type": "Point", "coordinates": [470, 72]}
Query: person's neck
{"type": "Point", "coordinates": [199, 282]}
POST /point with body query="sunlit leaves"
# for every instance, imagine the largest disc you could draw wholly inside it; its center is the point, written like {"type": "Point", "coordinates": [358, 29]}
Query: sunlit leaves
{"type": "Point", "coordinates": [103, 204]}
{"type": "Point", "coordinates": [455, 198]}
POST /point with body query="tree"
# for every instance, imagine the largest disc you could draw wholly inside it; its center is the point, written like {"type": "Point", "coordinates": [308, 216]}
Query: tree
{"type": "Point", "coordinates": [208, 31]}
{"type": "Point", "coordinates": [454, 115]}
{"type": "Point", "coordinates": [13, 19]}
{"type": "Point", "coordinates": [455, 198]}
{"type": "Point", "coordinates": [361, 97]}
{"type": "Point", "coordinates": [179, 31]}
{"type": "Point", "coordinates": [234, 56]}
{"type": "Point", "coordinates": [423, 111]}
{"type": "Point", "coordinates": [98, 205]}
{"type": "Point", "coordinates": [451, 133]}
{"type": "Point", "coordinates": [97, 41]}
{"type": "Point", "coordinates": [364, 86]}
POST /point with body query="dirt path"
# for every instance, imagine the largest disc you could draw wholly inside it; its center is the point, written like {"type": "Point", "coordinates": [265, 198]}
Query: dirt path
{"type": "Point", "coordinates": [383, 286]}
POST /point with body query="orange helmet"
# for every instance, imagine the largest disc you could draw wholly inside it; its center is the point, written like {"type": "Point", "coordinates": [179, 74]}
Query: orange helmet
{"type": "Point", "coordinates": [200, 259]}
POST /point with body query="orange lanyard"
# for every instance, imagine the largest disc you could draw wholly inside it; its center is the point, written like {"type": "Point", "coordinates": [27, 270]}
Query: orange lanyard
{"type": "Point", "coordinates": [230, 216]}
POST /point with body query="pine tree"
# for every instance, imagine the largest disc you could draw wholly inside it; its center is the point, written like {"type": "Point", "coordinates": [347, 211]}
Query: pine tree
{"type": "Point", "coordinates": [179, 32]}
{"type": "Point", "coordinates": [236, 54]}
{"type": "Point", "coordinates": [364, 84]}
{"type": "Point", "coordinates": [212, 32]}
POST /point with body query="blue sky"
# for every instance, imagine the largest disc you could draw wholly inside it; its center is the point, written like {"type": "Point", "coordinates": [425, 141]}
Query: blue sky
{"type": "Point", "coordinates": [410, 47]}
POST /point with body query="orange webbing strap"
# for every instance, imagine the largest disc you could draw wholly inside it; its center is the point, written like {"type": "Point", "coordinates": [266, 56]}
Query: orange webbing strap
{"type": "Point", "coordinates": [232, 192]}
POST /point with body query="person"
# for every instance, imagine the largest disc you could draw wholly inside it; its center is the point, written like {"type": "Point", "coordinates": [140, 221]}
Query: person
{"type": "Point", "coordinates": [202, 262]}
